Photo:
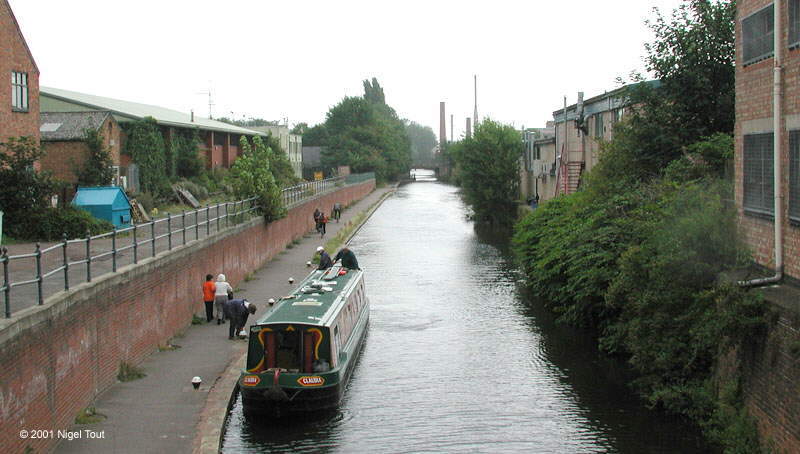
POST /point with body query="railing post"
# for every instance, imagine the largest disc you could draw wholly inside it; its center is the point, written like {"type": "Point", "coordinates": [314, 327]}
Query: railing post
{"type": "Point", "coordinates": [114, 250]}
{"type": "Point", "coordinates": [169, 233]}
{"type": "Point", "coordinates": [153, 237]}
{"type": "Point", "coordinates": [183, 225]}
{"type": "Point", "coordinates": [39, 272]}
{"type": "Point", "coordinates": [88, 256]}
{"type": "Point", "coordinates": [226, 215]}
{"type": "Point", "coordinates": [135, 245]}
{"type": "Point", "coordinates": [66, 263]}
{"type": "Point", "coordinates": [208, 219]}
{"type": "Point", "coordinates": [218, 218]}
{"type": "Point", "coordinates": [197, 224]}
{"type": "Point", "coordinates": [6, 285]}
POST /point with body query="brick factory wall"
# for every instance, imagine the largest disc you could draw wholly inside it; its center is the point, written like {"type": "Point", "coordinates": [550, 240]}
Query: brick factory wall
{"type": "Point", "coordinates": [59, 357]}
{"type": "Point", "coordinates": [770, 371]}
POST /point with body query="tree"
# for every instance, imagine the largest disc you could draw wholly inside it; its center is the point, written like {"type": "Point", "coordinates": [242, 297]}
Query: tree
{"type": "Point", "coordinates": [692, 56]}
{"type": "Point", "coordinates": [250, 176]}
{"type": "Point", "coordinates": [24, 189]}
{"type": "Point", "coordinates": [97, 168]}
{"type": "Point", "coordinates": [489, 166]}
{"type": "Point", "coordinates": [366, 134]}
{"type": "Point", "coordinates": [423, 141]}
{"type": "Point", "coordinates": [146, 147]}
{"type": "Point", "coordinates": [279, 162]}
{"type": "Point", "coordinates": [188, 164]}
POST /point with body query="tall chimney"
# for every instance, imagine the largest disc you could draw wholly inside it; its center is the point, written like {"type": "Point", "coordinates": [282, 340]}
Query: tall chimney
{"type": "Point", "coordinates": [442, 127]}
{"type": "Point", "coordinates": [475, 119]}
{"type": "Point", "coordinates": [452, 137]}
{"type": "Point", "coordinates": [469, 127]}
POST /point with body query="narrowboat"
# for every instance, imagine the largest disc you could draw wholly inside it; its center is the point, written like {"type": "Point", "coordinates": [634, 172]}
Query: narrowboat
{"type": "Point", "coordinates": [302, 352]}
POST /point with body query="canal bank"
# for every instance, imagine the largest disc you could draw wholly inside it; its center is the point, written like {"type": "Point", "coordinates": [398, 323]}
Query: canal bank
{"type": "Point", "coordinates": [160, 412]}
{"type": "Point", "coordinates": [221, 397]}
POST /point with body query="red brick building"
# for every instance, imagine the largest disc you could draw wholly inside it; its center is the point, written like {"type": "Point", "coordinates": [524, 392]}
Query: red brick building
{"type": "Point", "coordinates": [19, 89]}
{"type": "Point", "coordinates": [63, 137]}
{"type": "Point", "coordinates": [756, 134]}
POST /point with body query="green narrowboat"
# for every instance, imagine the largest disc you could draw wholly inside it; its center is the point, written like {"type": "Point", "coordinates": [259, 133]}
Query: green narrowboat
{"type": "Point", "coordinates": [302, 352]}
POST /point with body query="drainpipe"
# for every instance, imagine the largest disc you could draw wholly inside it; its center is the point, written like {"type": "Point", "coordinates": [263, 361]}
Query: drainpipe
{"type": "Point", "coordinates": [777, 102]}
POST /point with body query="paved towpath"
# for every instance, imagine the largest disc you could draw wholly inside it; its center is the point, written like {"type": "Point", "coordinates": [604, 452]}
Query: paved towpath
{"type": "Point", "coordinates": [160, 413]}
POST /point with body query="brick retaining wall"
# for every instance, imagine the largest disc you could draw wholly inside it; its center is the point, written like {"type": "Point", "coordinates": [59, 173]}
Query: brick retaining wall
{"type": "Point", "coordinates": [59, 357]}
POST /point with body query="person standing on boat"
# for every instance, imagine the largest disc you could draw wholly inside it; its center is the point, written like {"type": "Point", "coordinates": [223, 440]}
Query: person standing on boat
{"type": "Point", "coordinates": [348, 259]}
{"type": "Point", "coordinates": [209, 290]}
{"type": "Point", "coordinates": [237, 310]}
{"type": "Point", "coordinates": [325, 261]}
{"type": "Point", "coordinates": [223, 289]}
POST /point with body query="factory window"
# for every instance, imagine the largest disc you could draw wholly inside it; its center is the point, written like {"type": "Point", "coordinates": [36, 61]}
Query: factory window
{"type": "Point", "coordinates": [794, 175]}
{"type": "Point", "coordinates": [598, 125]}
{"type": "Point", "coordinates": [758, 174]}
{"type": "Point", "coordinates": [758, 30]}
{"type": "Point", "coordinates": [19, 91]}
{"type": "Point", "coordinates": [794, 23]}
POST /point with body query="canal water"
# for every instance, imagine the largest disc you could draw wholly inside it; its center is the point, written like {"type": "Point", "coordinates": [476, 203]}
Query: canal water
{"type": "Point", "coordinates": [458, 359]}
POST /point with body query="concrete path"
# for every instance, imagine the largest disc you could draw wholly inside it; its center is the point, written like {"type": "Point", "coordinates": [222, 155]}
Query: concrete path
{"type": "Point", "coordinates": [160, 413]}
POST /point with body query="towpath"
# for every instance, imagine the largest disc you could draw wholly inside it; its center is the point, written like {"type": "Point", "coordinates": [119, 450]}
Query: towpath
{"type": "Point", "coordinates": [161, 412]}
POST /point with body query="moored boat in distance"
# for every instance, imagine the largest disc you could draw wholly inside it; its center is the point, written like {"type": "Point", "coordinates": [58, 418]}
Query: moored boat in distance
{"type": "Point", "coordinates": [302, 352]}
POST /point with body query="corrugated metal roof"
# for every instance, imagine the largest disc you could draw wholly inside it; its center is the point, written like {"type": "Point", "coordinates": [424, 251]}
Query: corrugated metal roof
{"type": "Point", "coordinates": [56, 126]}
{"type": "Point", "coordinates": [137, 111]}
{"type": "Point", "coordinates": [105, 195]}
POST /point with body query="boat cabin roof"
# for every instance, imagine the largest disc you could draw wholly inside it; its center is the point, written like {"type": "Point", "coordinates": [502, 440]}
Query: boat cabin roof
{"type": "Point", "coordinates": [316, 300]}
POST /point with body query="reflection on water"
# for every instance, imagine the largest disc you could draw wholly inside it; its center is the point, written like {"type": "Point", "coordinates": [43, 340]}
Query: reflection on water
{"type": "Point", "coordinates": [458, 360]}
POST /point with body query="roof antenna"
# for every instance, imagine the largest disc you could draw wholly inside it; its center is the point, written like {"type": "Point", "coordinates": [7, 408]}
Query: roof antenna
{"type": "Point", "coordinates": [210, 102]}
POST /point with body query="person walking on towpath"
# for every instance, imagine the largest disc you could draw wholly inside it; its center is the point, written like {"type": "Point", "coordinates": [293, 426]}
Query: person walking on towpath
{"type": "Point", "coordinates": [237, 311]}
{"type": "Point", "coordinates": [209, 288]}
{"type": "Point", "coordinates": [317, 214]}
{"type": "Point", "coordinates": [323, 221]}
{"type": "Point", "coordinates": [348, 258]}
{"type": "Point", "coordinates": [325, 261]}
{"type": "Point", "coordinates": [223, 289]}
{"type": "Point", "coordinates": [336, 213]}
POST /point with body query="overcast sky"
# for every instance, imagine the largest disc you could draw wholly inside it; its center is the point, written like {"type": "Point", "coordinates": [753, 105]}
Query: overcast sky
{"type": "Point", "coordinates": [296, 59]}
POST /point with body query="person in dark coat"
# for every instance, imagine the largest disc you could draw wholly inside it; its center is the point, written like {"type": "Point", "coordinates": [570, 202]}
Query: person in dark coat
{"type": "Point", "coordinates": [348, 258]}
{"type": "Point", "coordinates": [325, 261]}
{"type": "Point", "coordinates": [237, 310]}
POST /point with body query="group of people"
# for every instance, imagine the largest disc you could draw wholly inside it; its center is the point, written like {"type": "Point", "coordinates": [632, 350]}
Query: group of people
{"type": "Point", "coordinates": [321, 219]}
{"type": "Point", "coordinates": [345, 255]}
{"type": "Point", "coordinates": [219, 295]}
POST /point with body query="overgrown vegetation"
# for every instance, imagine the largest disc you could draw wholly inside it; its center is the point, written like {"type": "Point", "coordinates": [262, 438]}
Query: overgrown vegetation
{"type": "Point", "coordinates": [364, 133]}
{"type": "Point", "coordinates": [488, 165]}
{"type": "Point", "coordinates": [89, 415]}
{"type": "Point", "coordinates": [636, 254]}
{"type": "Point", "coordinates": [129, 372]}
{"type": "Point", "coordinates": [96, 169]}
{"type": "Point", "coordinates": [250, 176]}
{"type": "Point", "coordinates": [26, 195]}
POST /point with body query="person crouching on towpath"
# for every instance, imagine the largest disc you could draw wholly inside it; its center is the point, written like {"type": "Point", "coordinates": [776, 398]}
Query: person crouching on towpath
{"type": "Point", "coordinates": [221, 296]}
{"type": "Point", "coordinates": [237, 310]}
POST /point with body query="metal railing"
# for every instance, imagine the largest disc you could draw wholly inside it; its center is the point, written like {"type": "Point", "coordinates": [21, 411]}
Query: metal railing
{"type": "Point", "coordinates": [81, 260]}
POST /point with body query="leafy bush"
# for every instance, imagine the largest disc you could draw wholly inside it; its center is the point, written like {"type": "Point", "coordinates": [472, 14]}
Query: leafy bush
{"type": "Point", "coordinates": [199, 192]}
{"type": "Point", "coordinates": [96, 170]}
{"type": "Point", "coordinates": [188, 163]}
{"type": "Point", "coordinates": [250, 176]}
{"type": "Point", "coordinates": [146, 147]}
{"type": "Point", "coordinates": [24, 190]}
{"type": "Point", "coordinates": [51, 224]}
{"type": "Point", "coordinates": [147, 200]}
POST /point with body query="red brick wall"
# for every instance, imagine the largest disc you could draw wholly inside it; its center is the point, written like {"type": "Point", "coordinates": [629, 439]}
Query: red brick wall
{"type": "Point", "coordinates": [59, 357]}
{"type": "Point", "coordinates": [14, 56]}
{"type": "Point", "coordinates": [754, 102]}
{"type": "Point", "coordinates": [61, 158]}
{"type": "Point", "coordinates": [770, 373]}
